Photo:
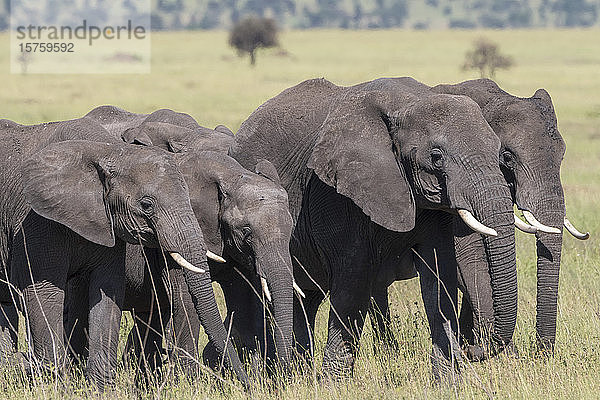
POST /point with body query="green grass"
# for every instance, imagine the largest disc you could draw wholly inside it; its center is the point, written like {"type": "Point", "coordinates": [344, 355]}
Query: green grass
{"type": "Point", "coordinates": [197, 73]}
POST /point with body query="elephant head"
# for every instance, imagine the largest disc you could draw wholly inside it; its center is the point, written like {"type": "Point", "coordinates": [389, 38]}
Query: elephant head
{"type": "Point", "coordinates": [245, 217]}
{"type": "Point", "coordinates": [178, 139]}
{"type": "Point", "coordinates": [392, 146]}
{"type": "Point", "coordinates": [531, 153]}
{"type": "Point", "coordinates": [104, 192]}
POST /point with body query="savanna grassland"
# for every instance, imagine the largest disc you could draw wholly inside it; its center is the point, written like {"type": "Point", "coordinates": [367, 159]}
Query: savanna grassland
{"type": "Point", "coordinates": [197, 73]}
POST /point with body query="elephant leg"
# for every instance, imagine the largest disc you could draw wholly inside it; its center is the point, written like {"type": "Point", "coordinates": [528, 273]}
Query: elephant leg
{"type": "Point", "coordinates": [145, 343]}
{"type": "Point", "coordinates": [43, 308]}
{"type": "Point", "coordinates": [9, 321]}
{"type": "Point", "coordinates": [186, 325]}
{"type": "Point", "coordinates": [350, 297]}
{"type": "Point", "coordinates": [107, 286]}
{"type": "Point", "coordinates": [76, 312]}
{"type": "Point", "coordinates": [379, 313]}
{"type": "Point", "coordinates": [465, 322]}
{"type": "Point", "coordinates": [9, 324]}
{"type": "Point", "coordinates": [39, 267]}
{"type": "Point", "coordinates": [9, 317]}
{"type": "Point", "coordinates": [436, 264]}
{"type": "Point", "coordinates": [305, 313]}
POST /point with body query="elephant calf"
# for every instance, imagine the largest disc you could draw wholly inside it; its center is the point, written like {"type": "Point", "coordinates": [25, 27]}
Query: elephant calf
{"type": "Point", "coordinates": [72, 206]}
{"type": "Point", "coordinates": [244, 216]}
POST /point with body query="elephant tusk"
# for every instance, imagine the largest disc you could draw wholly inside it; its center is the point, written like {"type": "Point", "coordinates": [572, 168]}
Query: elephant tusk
{"type": "Point", "coordinates": [522, 226]}
{"type": "Point", "coordinates": [185, 263]}
{"type": "Point", "coordinates": [538, 225]}
{"type": "Point", "coordinates": [477, 226]}
{"type": "Point", "coordinates": [215, 257]}
{"type": "Point", "coordinates": [265, 288]}
{"type": "Point", "coordinates": [298, 290]}
{"type": "Point", "coordinates": [574, 231]}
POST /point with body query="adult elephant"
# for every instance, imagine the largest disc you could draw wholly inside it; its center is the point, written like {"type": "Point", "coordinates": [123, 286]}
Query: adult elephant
{"type": "Point", "coordinates": [71, 207]}
{"type": "Point", "coordinates": [531, 153]}
{"type": "Point", "coordinates": [365, 168]}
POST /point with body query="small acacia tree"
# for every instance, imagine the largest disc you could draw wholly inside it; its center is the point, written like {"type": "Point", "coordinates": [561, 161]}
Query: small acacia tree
{"type": "Point", "coordinates": [251, 33]}
{"type": "Point", "coordinates": [486, 58]}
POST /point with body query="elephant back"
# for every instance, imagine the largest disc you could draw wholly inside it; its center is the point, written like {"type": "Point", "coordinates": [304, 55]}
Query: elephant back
{"type": "Point", "coordinates": [284, 131]}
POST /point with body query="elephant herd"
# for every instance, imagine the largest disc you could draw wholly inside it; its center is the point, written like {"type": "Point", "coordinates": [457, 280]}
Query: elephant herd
{"type": "Point", "coordinates": [324, 190]}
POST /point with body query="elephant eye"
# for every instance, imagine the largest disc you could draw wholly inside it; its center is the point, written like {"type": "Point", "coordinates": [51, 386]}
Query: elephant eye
{"type": "Point", "coordinates": [246, 232]}
{"type": "Point", "coordinates": [437, 159]}
{"type": "Point", "coordinates": [147, 205]}
{"type": "Point", "coordinates": [507, 158]}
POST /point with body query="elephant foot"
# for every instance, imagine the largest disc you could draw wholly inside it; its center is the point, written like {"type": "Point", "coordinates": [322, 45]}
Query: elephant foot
{"type": "Point", "coordinates": [338, 363]}
{"type": "Point", "coordinates": [481, 352]}
{"type": "Point", "coordinates": [544, 348]}
{"type": "Point", "coordinates": [18, 361]}
{"type": "Point", "coordinates": [511, 350]}
{"type": "Point", "coordinates": [100, 375]}
{"type": "Point", "coordinates": [475, 353]}
{"type": "Point", "coordinates": [445, 372]}
{"type": "Point", "coordinates": [9, 321]}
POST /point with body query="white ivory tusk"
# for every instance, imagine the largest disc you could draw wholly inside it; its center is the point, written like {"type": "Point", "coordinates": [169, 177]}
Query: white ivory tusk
{"type": "Point", "coordinates": [538, 225]}
{"type": "Point", "coordinates": [522, 226]}
{"type": "Point", "coordinates": [574, 231]}
{"type": "Point", "coordinates": [477, 226]}
{"type": "Point", "coordinates": [215, 257]}
{"type": "Point", "coordinates": [185, 263]}
{"type": "Point", "coordinates": [265, 288]}
{"type": "Point", "coordinates": [298, 290]}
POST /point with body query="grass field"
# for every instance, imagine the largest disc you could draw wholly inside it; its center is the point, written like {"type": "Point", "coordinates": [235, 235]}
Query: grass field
{"type": "Point", "coordinates": [197, 73]}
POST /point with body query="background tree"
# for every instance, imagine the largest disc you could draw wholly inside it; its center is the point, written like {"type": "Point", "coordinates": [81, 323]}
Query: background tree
{"type": "Point", "coordinates": [251, 33]}
{"type": "Point", "coordinates": [486, 58]}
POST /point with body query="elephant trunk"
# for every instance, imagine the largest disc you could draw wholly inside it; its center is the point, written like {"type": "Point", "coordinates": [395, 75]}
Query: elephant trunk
{"type": "Point", "coordinates": [549, 212]}
{"type": "Point", "coordinates": [277, 269]}
{"type": "Point", "coordinates": [477, 313]}
{"type": "Point", "coordinates": [494, 208]}
{"type": "Point", "coordinates": [189, 243]}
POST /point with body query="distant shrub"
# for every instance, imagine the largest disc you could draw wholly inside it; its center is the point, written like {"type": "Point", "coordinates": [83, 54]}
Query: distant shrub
{"type": "Point", "coordinates": [251, 33]}
{"type": "Point", "coordinates": [461, 24]}
{"type": "Point", "coordinates": [486, 58]}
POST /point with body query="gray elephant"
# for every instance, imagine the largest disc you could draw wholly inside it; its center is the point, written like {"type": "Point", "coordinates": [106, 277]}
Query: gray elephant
{"type": "Point", "coordinates": [530, 156]}
{"type": "Point", "coordinates": [71, 208]}
{"type": "Point", "coordinates": [117, 121]}
{"type": "Point", "coordinates": [18, 142]}
{"type": "Point", "coordinates": [369, 171]}
{"type": "Point", "coordinates": [244, 216]}
{"type": "Point", "coordinates": [531, 153]}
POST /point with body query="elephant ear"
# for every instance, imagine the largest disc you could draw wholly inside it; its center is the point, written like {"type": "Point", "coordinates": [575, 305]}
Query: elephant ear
{"type": "Point", "coordinates": [267, 169]}
{"type": "Point", "coordinates": [355, 155]}
{"type": "Point", "coordinates": [136, 136]}
{"type": "Point", "coordinates": [543, 97]}
{"type": "Point", "coordinates": [65, 183]}
{"type": "Point", "coordinates": [224, 129]}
